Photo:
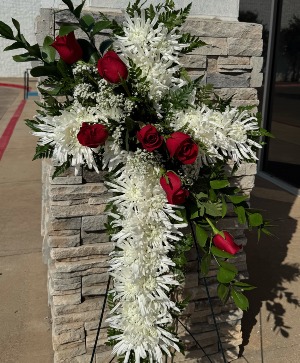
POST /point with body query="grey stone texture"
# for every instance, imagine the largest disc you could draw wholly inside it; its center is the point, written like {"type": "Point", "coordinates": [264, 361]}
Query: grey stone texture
{"type": "Point", "coordinates": [76, 247]}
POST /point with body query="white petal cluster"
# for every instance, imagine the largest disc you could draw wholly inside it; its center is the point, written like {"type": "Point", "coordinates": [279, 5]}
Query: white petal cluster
{"type": "Point", "coordinates": [61, 132]}
{"type": "Point", "coordinates": [221, 134]}
{"type": "Point", "coordinates": [154, 50]}
{"type": "Point", "coordinates": [140, 265]}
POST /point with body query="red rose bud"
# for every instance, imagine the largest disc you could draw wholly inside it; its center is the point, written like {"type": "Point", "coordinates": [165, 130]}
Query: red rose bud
{"type": "Point", "coordinates": [149, 138]}
{"type": "Point", "coordinates": [171, 184]}
{"type": "Point", "coordinates": [68, 48]}
{"type": "Point", "coordinates": [112, 68]}
{"type": "Point", "coordinates": [92, 135]}
{"type": "Point", "coordinates": [182, 147]}
{"type": "Point", "coordinates": [226, 244]}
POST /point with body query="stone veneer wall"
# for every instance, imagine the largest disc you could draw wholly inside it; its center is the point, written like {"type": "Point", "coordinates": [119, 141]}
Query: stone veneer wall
{"type": "Point", "coordinates": [76, 247]}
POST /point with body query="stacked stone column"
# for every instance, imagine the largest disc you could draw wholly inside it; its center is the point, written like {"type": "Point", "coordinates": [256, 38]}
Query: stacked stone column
{"type": "Point", "coordinates": [76, 247]}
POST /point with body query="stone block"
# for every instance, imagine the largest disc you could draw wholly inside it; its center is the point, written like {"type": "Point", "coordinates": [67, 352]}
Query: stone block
{"type": "Point", "coordinates": [256, 80]}
{"type": "Point", "coordinates": [232, 60]}
{"type": "Point", "coordinates": [64, 241]}
{"type": "Point", "coordinates": [68, 354]}
{"type": "Point", "coordinates": [83, 317]}
{"type": "Point", "coordinates": [245, 182]}
{"type": "Point", "coordinates": [74, 335]}
{"type": "Point", "coordinates": [237, 93]}
{"type": "Point", "coordinates": [71, 192]}
{"type": "Point", "coordinates": [65, 223]}
{"type": "Point", "coordinates": [95, 279]}
{"type": "Point", "coordinates": [217, 28]}
{"type": "Point", "coordinates": [76, 266]}
{"type": "Point", "coordinates": [246, 47]}
{"type": "Point", "coordinates": [256, 64]}
{"type": "Point", "coordinates": [76, 210]}
{"type": "Point", "coordinates": [70, 299]}
{"type": "Point", "coordinates": [94, 223]}
{"type": "Point", "coordinates": [66, 180]}
{"type": "Point", "coordinates": [214, 46]}
{"type": "Point", "coordinates": [66, 284]}
{"type": "Point", "coordinates": [244, 169]}
{"type": "Point", "coordinates": [224, 80]}
{"type": "Point", "coordinates": [90, 176]}
{"type": "Point", "coordinates": [94, 290]}
{"type": "Point", "coordinates": [81, 251]}
{"type": "Point", "coordinates": [191, 61]}
{"type": "Point", "coordinates": [86, 305]}
{"type": "Point", "coordinates": [91, 238]}
{"type": "Point", "coordinates": [233, 68]}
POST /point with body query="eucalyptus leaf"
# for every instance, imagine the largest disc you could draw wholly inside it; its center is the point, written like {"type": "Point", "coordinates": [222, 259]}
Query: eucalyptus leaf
{"type": "Point", "coordinates": [16, 24]}
{"type": "Point", "coordinates": [241, 213]}
{"type": "Point", "coordinates": [219, 253]}
{"type": "Point", "coordinates": [236, 199]}
{"type": "Point", "coordinates": [6, 31]}
{"type": "Point", "coordinates": [25, 57]}
{"type": "Point", "coordinates": [48, 52]}
{"type": "Point", "coordinates": [244, 286]}
{"type": "Point", "coordinates": [224, 207]}
{"type": "Point", "coordinates": [41, 71]}
{"type": "Point", "coordinates": [201, 235]}
{"type": "Point", "coordinates": [219, 184]}
{"type": "Point", "coordinates": [205, 263]}
{"type": "Point", "coordinates": [223, 292]}
{"type": "Point", "coordinates": [239, 299]}
{"type": "Point", "coordinates": [255, 219]}
{"type": "Point", "coordinates": [105, 45]}
{"type": "Point", "coordinates": [16, 45]}
{"type": "Point", "coordinates": [66, 29]}
{"type": "Point", "coordinates": [87, 22]}
{"type": "Point", "coordinates": [101, 25]}
{"type": "Point", "coordinates": [225, 276]}
{"type": "Point", "coordinates": [78, 10]}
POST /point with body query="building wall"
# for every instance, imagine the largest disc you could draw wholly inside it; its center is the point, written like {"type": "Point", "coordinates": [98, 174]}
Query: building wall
{"type": "Point", "coordinates": [27, 11]}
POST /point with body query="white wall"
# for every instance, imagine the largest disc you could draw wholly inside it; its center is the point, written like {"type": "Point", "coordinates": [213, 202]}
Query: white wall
{"type": "Point", "coordinates": [224, 9]}
{"type": "Point", "coordinates": [26, 11]}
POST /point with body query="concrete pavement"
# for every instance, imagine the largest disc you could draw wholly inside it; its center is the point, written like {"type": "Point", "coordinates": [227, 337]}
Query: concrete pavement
{"type": "Point", "coordinates": [271, 328]}
{"type": "Point", "coordinates": [25, 333]}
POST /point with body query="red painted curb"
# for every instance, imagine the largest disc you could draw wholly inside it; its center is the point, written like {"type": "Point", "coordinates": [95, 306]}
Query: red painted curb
{"type": "Point", "coordinates": [12, 85]}
{"type": "Point", "coordinates": [4, 139]}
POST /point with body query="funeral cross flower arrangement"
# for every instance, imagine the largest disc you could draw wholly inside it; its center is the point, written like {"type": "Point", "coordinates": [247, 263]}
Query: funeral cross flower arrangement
{"type": "Point", "coordinates": [129, 107]}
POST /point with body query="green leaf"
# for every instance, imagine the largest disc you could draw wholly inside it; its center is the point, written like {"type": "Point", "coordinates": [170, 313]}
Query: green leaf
{"type": "Point", "coordinates": [16, 24]}
{"type": "Point", "coordinates": [205, 263]}
{"type": "Point", "coordinates": [48, 52]}
{"type": "Point", "coordinates": [42, 151]}
{"type": "Point", "coordinates": [244, 286]}
{"type": "Point", "coordinates": [255, 219]}
{"type": "Point", "coordinates": [87, 22]}
{"type": "Point", "coordinates": [66, 29]}
{"type": "Point", "coordinates": [212, 195]}
{"type": "Point", "coordinates": [228, 266]}
{"type": "Point", "coordinates": [69, 4]}
{"type": "Point", "coordinates": [105, 45]}
{"type": "Point", "coordinates": [101, 25]}
{"type": "Point", "coordinates": [219, 253]}
{"type": "Point", "coordinates": [213, 209]}
{"type": "Point", "coordinates": [87, 48]}
{"type": "Point", "coordinates": [223, 292]}
{"type": "Point", "coordinates": [239, 299]}
{"type": "Point", "coordinates": [6, 31]}
{"type": "Point", "coordinates": [225, 276]}
{"type": "Point", "coordinates": [182, 214]}
{"type": "Point", "coordinates": [201, 235]}
{"type": "Point", "coordinates": [236, 199]}
{"type": "Point", "coordinates": [16, 45]}
{"type": "Point", "coordinates": [224, 207]}
{"type": "Point", "coordinates": [194, 212]}
{"type": "Point", "coordinates": [25, 57]}
{"type": "Point", "coordinates": [240, 212]}
{"type": "Point", "coordinates": [61, 168]}
{"type": "Point", "coordinates": [63, 68]}
{"type": "Point", "coordinates": [41, 71]}
{"type": "Point", "coordinates": [219, 184]}
{"type": "Point", "coordinates": [78, 10]}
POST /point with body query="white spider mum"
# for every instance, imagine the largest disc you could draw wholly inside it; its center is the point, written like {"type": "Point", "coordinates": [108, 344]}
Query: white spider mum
{"type": "Point", "coordinates": [61, 132]}
{"type": "Point", "coordinates": [220, 133]}
{"type": "Point", "coordinates": [140, 266]}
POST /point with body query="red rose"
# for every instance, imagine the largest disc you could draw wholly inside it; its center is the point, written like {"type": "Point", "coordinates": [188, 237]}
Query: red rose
{"type": "Point", "coordinates": [112, 68]}
{"type": "Point", "coordinates": [68, 48]}
{"type": "Point", "coordinates": [226, 244]}
{"type": "Point", "coordinates": [182, 147]}
{"type": "Point", "coordinates": [149, 138]}
{"type": "Point", "coordinates": [171, 184]}
{"type": "Point", "coordinates": [92, 135]}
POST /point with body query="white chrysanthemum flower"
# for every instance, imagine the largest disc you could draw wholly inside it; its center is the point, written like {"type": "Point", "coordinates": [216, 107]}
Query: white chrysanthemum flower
{"type": "Point", "coordinates": [154, 50]}
{"type": "Point", "coordinates": [140, 266]}
{"type": "Point", "coordinates": [61, 132]}
{"type": "Point", "coordinates": [222, 134]}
